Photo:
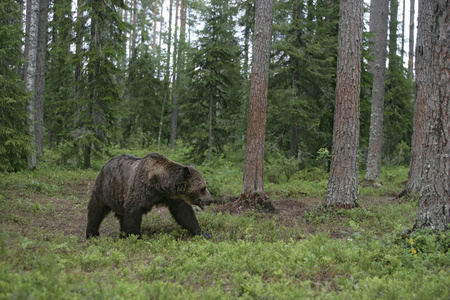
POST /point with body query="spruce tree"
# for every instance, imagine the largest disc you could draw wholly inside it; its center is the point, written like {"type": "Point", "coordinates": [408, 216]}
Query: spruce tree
{"type": "Point", "coordinates": [143, 105]}
{"type": "Point", "coordinates": [59, 74]}
{"type": "Point", "coordinates": [211, 103]}
{"type": "Point", "coordinates": [14, 134]}
{"type": "Point", "coordinates": [399, 104]}
{"type": "Point", "coordinates": [301, 88]}
{"type": "Point", "coordinates": [99, 90]}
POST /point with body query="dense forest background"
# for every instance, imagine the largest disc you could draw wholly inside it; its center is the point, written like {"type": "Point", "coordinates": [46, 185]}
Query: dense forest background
{"type": "Point", "coordinates": [141, 73]}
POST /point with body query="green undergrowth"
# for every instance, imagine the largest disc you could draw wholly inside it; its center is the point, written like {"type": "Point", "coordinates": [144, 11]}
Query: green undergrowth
{"type": "Point", "coordinates": [166, 267]}
{"type": "Point", "coordinates": [362, 253]}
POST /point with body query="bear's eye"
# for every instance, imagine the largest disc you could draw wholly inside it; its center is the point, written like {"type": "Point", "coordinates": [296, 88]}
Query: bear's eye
{"type": "Point", "coordinates": [203, 190]}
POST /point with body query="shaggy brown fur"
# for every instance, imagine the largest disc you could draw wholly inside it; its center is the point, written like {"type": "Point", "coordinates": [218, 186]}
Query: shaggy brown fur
{"type": "Point", "coordinates": [130, 186]}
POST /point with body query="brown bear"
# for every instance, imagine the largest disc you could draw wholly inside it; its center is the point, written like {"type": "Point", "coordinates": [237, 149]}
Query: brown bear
{"type": "Point", "coordinates": [130, 186]}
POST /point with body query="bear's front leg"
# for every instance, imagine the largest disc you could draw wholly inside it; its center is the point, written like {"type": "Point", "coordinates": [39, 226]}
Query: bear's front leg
{"type": "Point", "coordinates": [130, 222]}
{"type": "Point", "coordinates": [185, 216]}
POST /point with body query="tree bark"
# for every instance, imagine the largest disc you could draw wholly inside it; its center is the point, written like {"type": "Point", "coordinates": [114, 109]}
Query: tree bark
{"type": "Point", "coordinates": [403, 29]}
{"type": "Point", "coordinates": [434, 202]}
{"type": "Point", "coordinates": [411, 40]}
{"type": "Point", "coordinates": [210, 114]}
{"type": "Point", "coordinates": [30, 76]}
{"type": "Point", "coordinates": [27, 36]}
{"type": "Point", "coordinates": [78, 49]}
{"type": "Point", "coordinates": [342, 189]}
{"type": "Point", "coordinates": [253, 181]}
{"type": "Point", "coordinates": [167, 72]}
{"type": "Point", "coordinates": [393, 36]}
{"type": "Point", "coordinates": [40, 76]}
{"type": "Point", "coordinates": [174, 105]}
{"type": "Point", "coordinates": [379, 26]}
{"type": "Point", "coordinates": [293, 146]}
{"type": "Point", "coordinates": [132, 44]}
{"type": "Point", "coordinates": [155, 14]}
{"type": "Point", "coordinates": [422, 92]}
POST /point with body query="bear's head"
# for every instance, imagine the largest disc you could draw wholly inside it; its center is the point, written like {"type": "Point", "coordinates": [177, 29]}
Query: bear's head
{"type": "Point", "coordinates": [194, 191]}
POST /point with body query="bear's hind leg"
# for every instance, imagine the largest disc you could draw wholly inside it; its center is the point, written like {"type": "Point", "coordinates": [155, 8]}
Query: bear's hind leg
{"type": "Point", "coordinates": [184, 215]}
{"type": "Point", "coordinates": [97, 211]}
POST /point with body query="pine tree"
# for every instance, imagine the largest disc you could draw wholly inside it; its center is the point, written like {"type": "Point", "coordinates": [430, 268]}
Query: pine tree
{"type": "Point", "coordinates": [253, 181]}
{"type": "Point", "coordinates": [342, 189]}
{"type": "Point", "coordinates": [378, 25]}
{"type": "Point", "coordinates": [434, 204]}
{"type": "Point", "coordinates": [14, 134]}
{"type": "Point", "coordinates": [422, 92]}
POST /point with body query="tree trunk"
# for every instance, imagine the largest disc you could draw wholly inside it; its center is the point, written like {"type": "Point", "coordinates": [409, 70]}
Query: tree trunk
{"type": "Point", "coordinates": [411, 40]}
{"type": "Point", "coordinates": [30, 76]}
{"type": "Point", "coordinates": [422, 92]}
{"type": "Point", "coordinates": [40, 76]}
{"type": "Point", "coordinates": [434, 202]}
{"type": "Point", "coordinates": [174, 106]}
{"type": "Point", "coordinates": [378, 25]}
{"type": "Point", "coordinates": [161, 24]}
{"type": "Point", "coordinates": [293, 146]}
{"type": "Point", "coordinates": [246, 52]}
{"type": "Point", "coordinates": [27, 36]}
{"type": "Point", "coordinates": [403, 30]}
{"type": "Point", "coordinates": [155, 14]}
{"type": "Point", "coordinates": [78, 49]}
{"type": "Point", "coordinates": [210, 114]}
{"type": "Point", "coordinates": [393, 26]}
{"type": "Point", "coordinates": [342, 189]}
{"type": "Point", "coordinates": [253, 183]}
{"type": "Point", "coordinates": [18, 70]}
{"type": "Point", "coordinates": [132, 44]}
{"type": "Point", "coordinates": [125, 19]}
{"type": "Point", "coordinates": [167, 73]}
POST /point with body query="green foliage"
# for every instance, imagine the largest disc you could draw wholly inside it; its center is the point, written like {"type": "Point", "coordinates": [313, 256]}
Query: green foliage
{"type": "Point", "coordinates": [213, 100]}
{"type": "Point", "coordinates": [280, 164]}
{"type": "Point", "coordinates": [59, 81]}
{"type": "Point", "coordinates": [97, 101]}
{"type": "Point", "coordinates": [303, 71]}
{"type": "Point", "coordinates": [143, 107]}
{"type": "Point", "coordinates": [14, 135]}
{"type": "Point", "coordinates": [399, 98]}
{"type": "Point", "coordinates": [362, 253]}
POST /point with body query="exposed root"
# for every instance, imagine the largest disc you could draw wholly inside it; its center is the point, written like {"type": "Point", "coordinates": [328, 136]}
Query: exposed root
{"type": "Point", "coordinates": [257, 202]}
{"type": "Point", "coordinates": [341, 206]}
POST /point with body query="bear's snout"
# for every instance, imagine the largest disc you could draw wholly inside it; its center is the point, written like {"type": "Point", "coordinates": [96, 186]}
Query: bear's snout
{"type": "Point", "coordinates": [200, 202]}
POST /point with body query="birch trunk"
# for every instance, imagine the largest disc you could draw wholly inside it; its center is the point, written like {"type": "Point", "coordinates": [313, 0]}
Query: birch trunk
{"type": "Point", "coordinates": [30, 76]}
{"type": "Point", "coordinates": [40, 76]}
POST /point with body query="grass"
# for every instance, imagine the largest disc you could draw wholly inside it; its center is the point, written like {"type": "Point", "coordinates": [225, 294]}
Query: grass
{"type": "Point", "coordinates": [300, 252]}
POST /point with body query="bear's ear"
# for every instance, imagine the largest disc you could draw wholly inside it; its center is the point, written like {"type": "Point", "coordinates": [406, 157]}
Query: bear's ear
{"type": "Point", "coordinates": [186, 172]}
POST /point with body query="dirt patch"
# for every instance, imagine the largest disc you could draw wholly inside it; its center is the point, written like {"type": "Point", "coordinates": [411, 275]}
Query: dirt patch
{"type": "Point", "coordinates": [68, 215]}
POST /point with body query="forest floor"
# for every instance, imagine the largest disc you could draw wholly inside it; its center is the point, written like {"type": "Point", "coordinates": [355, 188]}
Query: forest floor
{"type": "Point", "coordinates": [68, 214]}
{"type": "Point", "coordinates": [298, 251]}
